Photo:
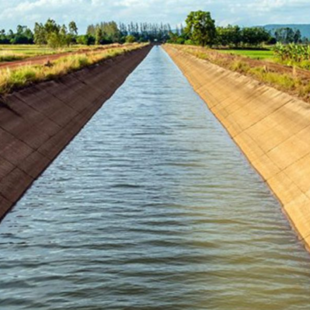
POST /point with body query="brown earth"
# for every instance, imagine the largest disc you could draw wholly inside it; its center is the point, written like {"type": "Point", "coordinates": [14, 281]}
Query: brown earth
{"type": "Point", "coordinates": [41, 60]}
{"type": "Point", "coordinates": [36, 123]}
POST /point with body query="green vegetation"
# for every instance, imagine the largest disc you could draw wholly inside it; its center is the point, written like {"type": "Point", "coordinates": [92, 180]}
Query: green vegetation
{"type": "Point", "coordinates": [254, 54]}
{"type": "Point", "coordinates": [130, 39]}
{"type": "Point", "coordinates": [287, 35]}
{"type": "Point", "coordinates": [283, 81]}
{"type": "Point", "coordinates": [110, 32]}
{"type": "Point", "coordinates": [234, 36]}
{"type": "Point", "coordinates": [11, 79]}
{"type": "Point", "coordinates": [60, 36]}
{"type": "Point", "coordinates": [18, 52]}
{"type": "Point", "coordinates": [27, 50]}
{"type": "Point", "coordinates": [294, 54]}
{"type": "Point", "coordinates": [50, 33]}
{"type": "Point", "coordinates": [54, 35]}
{"type": "Point", "coordinates": [23, 35]}
{"type": "Point", "coordinates": [300, 30]}
{"type": "Point", "coordinates": [200, 28]}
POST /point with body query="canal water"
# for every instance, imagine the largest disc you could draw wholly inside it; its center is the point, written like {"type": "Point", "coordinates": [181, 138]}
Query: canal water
{"type": "Point", "coordinates": [152, 206]}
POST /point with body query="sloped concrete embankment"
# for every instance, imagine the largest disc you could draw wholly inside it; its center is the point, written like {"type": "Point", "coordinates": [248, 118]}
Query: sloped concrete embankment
{"type": "Point", "coordinates": [36, 123]}
{"type": "Point", "coordinates": [271, 128]}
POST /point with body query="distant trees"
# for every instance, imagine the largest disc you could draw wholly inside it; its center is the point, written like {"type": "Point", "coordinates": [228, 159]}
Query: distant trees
{"type": "Point", "coordinates": [253, 36]}
{"type": "Point", "coordinates": [200, 27]}
{"type": "Point", "coordinates": [230, 35]}
{"type": "Point", "coordinates": [104, 33]}
{"type": "Point", "coordinates": [23, 35]}
{"type": "Point", "coordinates": [85, 39]}
{"type": "Point", "coordinates": [55, 35]}
{"type": "Point", "coordinates": [288, 35]}
{"type": "Point", "coordinates": [110, 32]}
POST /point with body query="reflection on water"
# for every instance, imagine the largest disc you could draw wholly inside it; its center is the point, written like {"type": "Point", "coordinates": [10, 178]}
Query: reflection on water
{"type": "Point", "coordinates": [152, 206]}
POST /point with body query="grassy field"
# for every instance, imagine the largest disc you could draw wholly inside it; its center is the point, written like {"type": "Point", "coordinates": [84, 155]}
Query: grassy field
{"type": "Point", "coordinates": [11, 79]}
{"type": "Point", "coordinates": [254, 54]}
{"type": "Point", "coordinates": [10, 52]}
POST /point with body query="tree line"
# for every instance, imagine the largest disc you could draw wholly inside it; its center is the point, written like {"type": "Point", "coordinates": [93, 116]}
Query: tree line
{"type": "Point", "coordinates": [23, 35]}
{"type": "Point", "coordinates": [199, 29]}
{"type": "Point", "coordinates": [223, 36]}
{"type": "Point", "coordinates": [56, 35]}
{"type": "Point", "coordinates": [287, 35]}
{"type": "Point", "coordinates": [110, 32]}
{"type": "Point", "coordinates": [50, 33]}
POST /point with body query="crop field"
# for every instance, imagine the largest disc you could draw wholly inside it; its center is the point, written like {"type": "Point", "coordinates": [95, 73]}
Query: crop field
{"type": "Point", "coordinates": [9, 52]}
{"type": "Point", "coordinates": [254, 54]}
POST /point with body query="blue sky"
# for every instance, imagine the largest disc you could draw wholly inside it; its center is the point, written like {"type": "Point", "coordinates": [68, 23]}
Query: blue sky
{"type": "Point", "coordinates": [84, 12]}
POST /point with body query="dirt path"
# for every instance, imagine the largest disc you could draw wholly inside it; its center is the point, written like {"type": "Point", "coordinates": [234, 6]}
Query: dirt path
{"type": "Point", "coordinates": [39, 60]}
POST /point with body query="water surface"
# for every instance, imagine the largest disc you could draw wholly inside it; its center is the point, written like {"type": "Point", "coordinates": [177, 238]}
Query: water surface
{"type": "Point", "coordinates": [152, 206]}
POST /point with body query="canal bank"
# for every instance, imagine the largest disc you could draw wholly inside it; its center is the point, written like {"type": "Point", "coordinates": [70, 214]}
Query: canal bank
{"type": "Point", "coordinates": [271, 128]}
{"type": "Point", "coordinates": [36, 123]}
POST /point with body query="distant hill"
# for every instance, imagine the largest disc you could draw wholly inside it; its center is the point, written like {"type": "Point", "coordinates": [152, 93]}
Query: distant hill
{"type": "Point", "coordinates": [304, 28]}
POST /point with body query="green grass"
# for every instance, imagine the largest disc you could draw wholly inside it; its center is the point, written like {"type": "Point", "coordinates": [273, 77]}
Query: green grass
{"type": "Point", "coordinates": [9, 52]}
{"type": "Point", "coordinates": [31, 50]}
{"type": "Point", "coordinates": [254, 54]}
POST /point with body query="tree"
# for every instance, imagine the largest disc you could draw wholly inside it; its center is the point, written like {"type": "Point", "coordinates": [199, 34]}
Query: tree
{"type": "Point", "coordinates": [51, 26]}
{"type": "Point", "coordinates": [98, 36]}
{"type": "Point", "coordinates": [228, 36]}
{"type": "Point", "coordinates": [39, 34]}
{"type": "Point", "coordinates": [73, 29]}
{"type": "Point", "coordinates": [297, 36]}
{"type": "Point", "coordinates": [201, 28]}
{"type": "Point", "coordinates": [287, 35]}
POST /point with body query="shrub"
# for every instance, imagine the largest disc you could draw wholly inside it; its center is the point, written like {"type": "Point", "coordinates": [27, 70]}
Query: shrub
{"type": "Point", "coordinates": [130, 39]}
{"type": "Point", "coordinates": [239, 66]}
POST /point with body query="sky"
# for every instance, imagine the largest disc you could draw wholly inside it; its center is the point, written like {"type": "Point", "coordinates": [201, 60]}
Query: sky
{"type": "Point", "coordinates": [85, 12]}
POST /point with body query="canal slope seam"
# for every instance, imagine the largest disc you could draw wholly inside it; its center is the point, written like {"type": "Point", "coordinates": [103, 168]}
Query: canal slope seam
{"type": "Point", "coordinates": [37, 123]}
{"type": "Point", "coordinates": [272, 129]}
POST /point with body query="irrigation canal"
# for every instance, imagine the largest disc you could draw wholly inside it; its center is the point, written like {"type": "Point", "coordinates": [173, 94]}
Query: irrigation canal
{"type": "Point", "coordinates": [151, 206]}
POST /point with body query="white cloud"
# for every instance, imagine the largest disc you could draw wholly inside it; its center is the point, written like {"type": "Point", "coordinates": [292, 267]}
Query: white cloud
{"type": "Point", "coordinates": [84, 12]}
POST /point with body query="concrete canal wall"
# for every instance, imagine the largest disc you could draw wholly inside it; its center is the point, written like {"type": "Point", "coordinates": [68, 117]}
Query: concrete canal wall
{"type": "Point", "coordinates": [36, 123]}
{"type": "Point", "coordinates": [270, 127]}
